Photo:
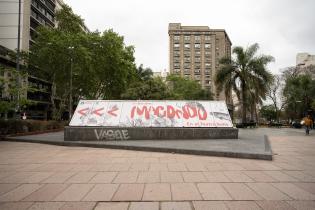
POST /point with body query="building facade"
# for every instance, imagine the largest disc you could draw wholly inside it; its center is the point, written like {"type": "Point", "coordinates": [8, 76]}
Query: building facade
{"type": "Point", "coordinates": [34, 13]}
{"type": "Point", "coordinates": [195, 51]}
{"type": "Point", "coordinates": [305, 64]}
{"type": "Point", "coordinates": [305, 59]}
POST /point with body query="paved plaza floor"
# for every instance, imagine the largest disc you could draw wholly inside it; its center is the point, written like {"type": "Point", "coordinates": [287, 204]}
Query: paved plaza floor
{"type": "Point", "coordinates": [252, 143]}
{"type": "Point", "coordinates": [41, 176]}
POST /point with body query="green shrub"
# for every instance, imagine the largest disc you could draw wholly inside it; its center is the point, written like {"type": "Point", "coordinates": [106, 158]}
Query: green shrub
{"type": "Point", "coordinates": [24, 126]}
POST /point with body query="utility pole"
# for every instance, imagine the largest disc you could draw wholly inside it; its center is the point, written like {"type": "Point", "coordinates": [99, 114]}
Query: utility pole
{"type": "Point", "coordinates": [70, 99]}
{"type": "Point", "coordinates": [18, 58]}
{"type": "Point", "coordinates": [71, 69]}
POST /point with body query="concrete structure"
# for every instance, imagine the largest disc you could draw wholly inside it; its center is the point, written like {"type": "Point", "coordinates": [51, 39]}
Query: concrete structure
{"type": "Point", "coordinates": [31, 88]}
{"type": "Point", "coordinates": [305, 59]}
{"type": "Point", "coordinates": [79, 133]}
{"type": "Point", "coordinates": [39, 176]}
{"type": "Point", "coordinates": [305, 64]}
{"type": "Point", "coordinates": [195, 51]}
{"type": "Point", "coordinates": [163, 74]}
{"type": "Point", "coordinates": [101, 120]}
{"type": "Point", "coordinates": [33, 14]}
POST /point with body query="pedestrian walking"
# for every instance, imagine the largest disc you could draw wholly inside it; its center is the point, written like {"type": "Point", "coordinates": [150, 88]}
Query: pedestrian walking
{"type": "Point", "coordinates": [307, 122]}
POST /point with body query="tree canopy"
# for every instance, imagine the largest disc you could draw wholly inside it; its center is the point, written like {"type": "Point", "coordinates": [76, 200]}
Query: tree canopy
{"type": "Point", "coordinates": [102, 64]}
{"type": "Point", "coordinates": [299, 93]}
{"type": "Point", "coordinates": [246, 75]}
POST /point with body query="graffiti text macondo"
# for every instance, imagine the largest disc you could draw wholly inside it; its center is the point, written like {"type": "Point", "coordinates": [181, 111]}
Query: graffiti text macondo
{"type": "Point", "coordinates": [185, 112]}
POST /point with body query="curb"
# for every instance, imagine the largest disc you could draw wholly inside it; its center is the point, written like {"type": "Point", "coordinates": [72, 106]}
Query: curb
{"type": "Point", "coordinates": [266, 156]}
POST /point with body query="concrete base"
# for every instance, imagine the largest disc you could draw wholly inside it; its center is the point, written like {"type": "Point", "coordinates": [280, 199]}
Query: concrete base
{"type": "Point", "coordinates": [78, 133]}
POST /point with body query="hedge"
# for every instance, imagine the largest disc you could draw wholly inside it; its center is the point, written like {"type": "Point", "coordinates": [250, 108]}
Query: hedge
{"type": "Point", "coordinates": [23, 126]}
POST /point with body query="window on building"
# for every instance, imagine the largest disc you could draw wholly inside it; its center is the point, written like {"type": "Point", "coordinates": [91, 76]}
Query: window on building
{"type": "Point", "coordinates": [176, 53]}
{"type": "Point", "coordinates": [197, 53]}
{"type": "Point", "coordinates": [176, 45]}
{"type": "Point", "coordinates": [197, 46]}
{"type": "Point", "coordinates": [187, 54]}
{"type": "Point", "coordinates": [197, 38]}
{"type": "Point", "coordinates": [197, 77]}
{"type": "Point", "coordinates": [187, 71]}
{"type": "Point", "coordinates": [207, 38]}
{"type": "Point", "coordinates": [207, 46]}
{"type": "Point", "coordinates": [176, 60]}
{"type": "Point", "coordinates": [176, 65]}
{"type": "Point", "coordinates": [197, 71]}
{"type": "Point", "coordinates": [208, 65]}
{"type": "Point", "coordinates": [207, 71]}
{"type": "Point", "coordinates": [176, 38]}
{"type": "Point", "coordinates": [187, 59]}
{"type": "Point", "coordinates": [187, 46]}
{"type": "Point", "coordinates": [207, 53]}
{"type": "Point", "coordinates": [187, 65]}
{"type": "Point", "coordinates": [187, 38]}
{"type": "Point", "coordinates": [50, 17]}
{"type": "Point", "coordinates": [197, 59]}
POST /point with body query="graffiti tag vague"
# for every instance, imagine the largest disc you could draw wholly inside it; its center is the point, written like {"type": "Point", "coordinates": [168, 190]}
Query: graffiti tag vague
{"type": "Point", "coordinates": [109, 134]}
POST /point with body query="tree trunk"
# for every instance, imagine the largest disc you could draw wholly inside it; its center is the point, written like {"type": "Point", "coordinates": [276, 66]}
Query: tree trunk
{"type": "Point", "coordinates": [252, 108]}
{"type": "Point", "coordinates": [243, 102]}
{"type": "Point", "coordinates": [256, 115]}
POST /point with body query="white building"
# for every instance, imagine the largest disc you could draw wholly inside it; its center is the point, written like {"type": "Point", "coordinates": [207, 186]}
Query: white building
{"type": "Point", "coordinates": [305, 64]}
{"type": "Point", "coordinates": [305, 59]}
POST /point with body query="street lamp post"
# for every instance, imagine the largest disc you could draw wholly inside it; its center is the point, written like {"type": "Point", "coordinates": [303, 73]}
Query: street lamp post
{"type": "Point", "coordinates": [70, 97]}
{"type": "Point", "coordinates": [18, 59]}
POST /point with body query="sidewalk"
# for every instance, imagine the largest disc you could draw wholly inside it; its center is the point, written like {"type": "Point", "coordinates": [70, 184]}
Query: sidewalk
{"type": "Point", "coordinates": [40, 176]}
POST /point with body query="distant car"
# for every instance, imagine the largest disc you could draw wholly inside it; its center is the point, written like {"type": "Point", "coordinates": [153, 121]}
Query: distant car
{"type": "Point", "coordinates": [296, 124]}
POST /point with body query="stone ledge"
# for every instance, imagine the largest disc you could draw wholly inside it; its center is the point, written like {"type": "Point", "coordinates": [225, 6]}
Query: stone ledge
{"type": "Point", "coordinates": [79, 133]}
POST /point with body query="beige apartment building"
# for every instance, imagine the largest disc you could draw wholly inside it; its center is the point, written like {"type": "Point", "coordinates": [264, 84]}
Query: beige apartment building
{"type": "Point", "coordinates": [195, 52]}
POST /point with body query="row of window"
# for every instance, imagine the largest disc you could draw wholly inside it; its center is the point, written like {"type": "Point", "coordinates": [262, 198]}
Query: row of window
{"type": "Point", "coordinates": [187, 65]}
{"type": "Point", "coordinates": [48, 4]}
{"type": "Point", "coordinates": [40, 19]}
{"type": "Point", "coordinates": [188, 53]}
{"type": "Point", "coordinates": [188, 59]}
{"type": "Point", "coordinates": [197, 46]}
{"type": "Point", "coordinates": [43, 10]}
{"type": "Point", "coordinates": [188, 38]}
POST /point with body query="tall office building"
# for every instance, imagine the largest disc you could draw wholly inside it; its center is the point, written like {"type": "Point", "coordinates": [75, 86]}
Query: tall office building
{"type": "Point", "coordinates": [195, 52]}
{"type": "Point", "coordinates": [33, 14]}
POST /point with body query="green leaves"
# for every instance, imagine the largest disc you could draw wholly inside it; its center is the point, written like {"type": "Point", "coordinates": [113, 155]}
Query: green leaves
{"type": "Point", "coordinates": [299, 92]}
{"type": "Point", "coordinates": [102, 65]}
{"type": "Point", "coordinates": [187, 89]}
{"type": "Point", "coordinates": [246, 75]}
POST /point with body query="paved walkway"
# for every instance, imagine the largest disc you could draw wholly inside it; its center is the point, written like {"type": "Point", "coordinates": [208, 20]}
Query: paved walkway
{"type": "Point", "coordinates": [250, 144]}
{"type": "Point", "coordinates": [39, 176]}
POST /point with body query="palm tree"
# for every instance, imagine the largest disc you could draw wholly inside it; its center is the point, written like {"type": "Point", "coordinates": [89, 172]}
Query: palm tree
{"type": "Point", "coordinates": [245, 73]}
{"type": "Point", "coordinates": [144, 73]}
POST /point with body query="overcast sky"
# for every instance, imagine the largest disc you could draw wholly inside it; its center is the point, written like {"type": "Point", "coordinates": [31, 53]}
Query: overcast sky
{"type": "Point", "coordinates": [281, 27]}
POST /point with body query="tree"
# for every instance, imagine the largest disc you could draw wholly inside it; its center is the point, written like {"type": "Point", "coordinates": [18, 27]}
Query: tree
{"type": "Point", "coordinates": [275, 94]}
{"type": "Point", "coordinates": [151, 89]}
{"type": "Point", "coordinates": [144, 73]}
{"type": "Point", "coordinates": [268, 112]}
{"type": "Point", "coordinates": [244, 73]}
{"type": "Point", "coordinates": [102, 65]}
{"type": "Point", "coordinates": [187, 89]}
{"type": "Point", "coordinates": [14, 90]}
{"type": "Point", "coordinates": [299, 93]}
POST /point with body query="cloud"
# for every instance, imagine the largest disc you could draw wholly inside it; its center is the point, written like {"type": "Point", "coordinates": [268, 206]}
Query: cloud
{"type": "Point", "coordinates": [282, 28]}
